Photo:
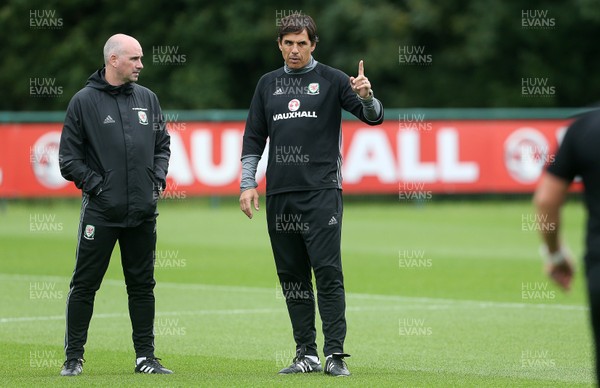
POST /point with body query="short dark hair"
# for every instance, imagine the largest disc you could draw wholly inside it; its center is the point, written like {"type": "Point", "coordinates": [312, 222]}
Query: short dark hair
{"type": "Point", "coordinates": [295, 24]}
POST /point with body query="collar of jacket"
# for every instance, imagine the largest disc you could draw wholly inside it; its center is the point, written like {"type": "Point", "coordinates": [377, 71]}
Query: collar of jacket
{"type": "Point", "coordinates": [98, 81]}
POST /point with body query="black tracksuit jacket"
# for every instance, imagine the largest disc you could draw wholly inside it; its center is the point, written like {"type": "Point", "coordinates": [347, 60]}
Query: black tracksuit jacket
{"type": "Point", "coordinates": [115, 148]}
{"type": "Point", "coordinates": [301, 114]}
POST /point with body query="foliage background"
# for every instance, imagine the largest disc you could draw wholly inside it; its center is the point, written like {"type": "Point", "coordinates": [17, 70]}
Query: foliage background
{"type": "Point", "coordinates": [480, 50]}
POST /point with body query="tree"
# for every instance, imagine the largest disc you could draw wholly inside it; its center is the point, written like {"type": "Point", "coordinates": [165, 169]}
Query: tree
{"type": "Point", "coordinates": [209, 55]}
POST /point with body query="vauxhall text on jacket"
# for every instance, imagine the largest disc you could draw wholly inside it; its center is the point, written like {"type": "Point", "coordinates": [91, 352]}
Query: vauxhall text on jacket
{"type": "Point", "coordinates": [115, 148]}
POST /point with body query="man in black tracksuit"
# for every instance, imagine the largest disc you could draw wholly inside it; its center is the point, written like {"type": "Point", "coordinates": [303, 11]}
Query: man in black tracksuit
{"type": "Point", "coordinates": [577, 156]}
{"type": "Point", "coordinates": [115, 148]}
{"type": "Point", "coordinates": [298, 107]}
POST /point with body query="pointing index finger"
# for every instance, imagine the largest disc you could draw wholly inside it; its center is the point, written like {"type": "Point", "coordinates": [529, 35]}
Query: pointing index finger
{"type": "Point", "coordinates": [361, 68]}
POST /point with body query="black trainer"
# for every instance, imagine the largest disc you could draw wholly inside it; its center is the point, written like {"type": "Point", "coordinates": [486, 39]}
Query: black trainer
{"type": "Point", "coordinates": [151, 365]}
{"type": "Point", "coordinates": [72, 367]}
{"type": "Point", "coordinates": [302, 364]}
{"type": "Point", "coordinates": [336, 366]}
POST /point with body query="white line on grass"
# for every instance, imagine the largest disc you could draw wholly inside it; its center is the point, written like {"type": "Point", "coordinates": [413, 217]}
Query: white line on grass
{"type": "Point", "coordinates": [192, 312]}
{"type": "Point", "coordinates": [423, 302]}
{"type": "Point", "coordinates": [470, 303]}
{"type": "Point", "coordinates": [126, 315]}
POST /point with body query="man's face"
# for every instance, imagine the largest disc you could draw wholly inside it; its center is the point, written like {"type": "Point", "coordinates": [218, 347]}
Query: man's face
{"type": "Point", "coordinates": [296, 49]}
{"type": "Point", "coordinates": [129, 62]}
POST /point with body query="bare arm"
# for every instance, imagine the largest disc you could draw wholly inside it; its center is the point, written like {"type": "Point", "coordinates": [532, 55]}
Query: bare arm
{"type": "Point", "coordinates": [548, 199]}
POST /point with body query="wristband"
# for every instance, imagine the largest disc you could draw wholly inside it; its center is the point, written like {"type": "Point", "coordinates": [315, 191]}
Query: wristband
{"type": "Point", "coordinates": [555, 258]}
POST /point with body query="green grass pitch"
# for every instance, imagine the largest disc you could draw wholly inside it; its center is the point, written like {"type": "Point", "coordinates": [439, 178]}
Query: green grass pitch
{"type": "Point", "coordinates": [443, 293]}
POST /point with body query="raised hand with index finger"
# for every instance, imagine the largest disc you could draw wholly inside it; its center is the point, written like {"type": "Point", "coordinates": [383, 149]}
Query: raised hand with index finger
{"type": "Point", "coordinates": [361, 84]}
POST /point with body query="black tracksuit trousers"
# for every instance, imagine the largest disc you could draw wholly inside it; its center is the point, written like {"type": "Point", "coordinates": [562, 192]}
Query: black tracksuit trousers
{"type": "Point", "coordinates": [592, 268]}
{"type": "Point", "coordinates": [305, 229]}
{"type": "Point", "coordinates": [94, 248]}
